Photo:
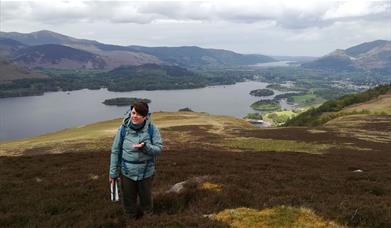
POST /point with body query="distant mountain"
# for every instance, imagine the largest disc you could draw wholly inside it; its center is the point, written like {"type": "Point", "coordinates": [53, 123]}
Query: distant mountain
{"type": "Point", "coordinates": [8, 47]}
{"type": "Point", "coordinates": [57, 56]}
{"type": "Point", "coordinates": [371, 56]}
{"type": "Point", "coordinates": [194, 56]}
{"type": "Point", "coordinates": [115, 55]}
{"type": "Point", "coordinates": [43, 37]}
{"type": "Point", "coordinates": [364, 48]}
{"type": "Point", "coordinates": [10, 72]}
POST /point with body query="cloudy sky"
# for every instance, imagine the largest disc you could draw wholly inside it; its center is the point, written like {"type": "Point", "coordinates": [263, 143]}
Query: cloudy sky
{"type": "Point", "coordinates": [272, 27]}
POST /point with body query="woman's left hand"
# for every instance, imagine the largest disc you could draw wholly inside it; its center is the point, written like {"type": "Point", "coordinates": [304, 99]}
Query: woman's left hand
{"type": "Point", "coordinates": [139, 146]}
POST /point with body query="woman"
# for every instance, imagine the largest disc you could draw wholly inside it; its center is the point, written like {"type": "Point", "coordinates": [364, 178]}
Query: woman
{"type": "Point", "coordinates": [133, 154]}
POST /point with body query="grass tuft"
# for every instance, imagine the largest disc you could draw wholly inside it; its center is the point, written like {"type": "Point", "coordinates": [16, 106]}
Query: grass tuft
{"type": "Point", "coordinates": [279, 216]}
{"type": "Point", "coordinates": [211, 186]}
{"type": "Point", "coordinates": [261, 145]}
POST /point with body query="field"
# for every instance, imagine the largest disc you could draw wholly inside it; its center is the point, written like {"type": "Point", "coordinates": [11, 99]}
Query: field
{"type": "Point", "coordinates": [333, 176]}
{"type": "Point", "coordinates": [279, 117]}
{"type": "Point", "coordinates": [307, 100]}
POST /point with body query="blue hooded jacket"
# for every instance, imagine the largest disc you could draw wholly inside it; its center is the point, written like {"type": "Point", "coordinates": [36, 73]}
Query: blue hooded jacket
{"type": "Point", "coordinates": [136, 164]}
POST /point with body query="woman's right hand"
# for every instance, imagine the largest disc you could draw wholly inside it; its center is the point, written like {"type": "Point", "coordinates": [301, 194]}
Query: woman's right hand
{"type": "Point", "coordinates": [111, 179]}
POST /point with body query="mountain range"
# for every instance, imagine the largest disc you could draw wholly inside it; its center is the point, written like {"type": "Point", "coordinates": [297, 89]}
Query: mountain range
{"type": "Point", "coordinates": [53, 50]}
{"type": "Point", "coordinates": [369, 56]}
{"type": "Point", "coordinates": [46, 49]}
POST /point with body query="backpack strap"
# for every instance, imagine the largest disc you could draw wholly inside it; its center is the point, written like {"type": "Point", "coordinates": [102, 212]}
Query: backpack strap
{"type": "Point", "coordinates": [150, 132]}
{"type": "Point", "coordinates": [122, 133]}
{"type": "Point", "coordinates": [121, 142]}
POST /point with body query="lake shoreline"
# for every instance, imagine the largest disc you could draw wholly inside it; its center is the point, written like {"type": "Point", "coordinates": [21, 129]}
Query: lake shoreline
{"type": "Point", "coordinates": [35, 115]}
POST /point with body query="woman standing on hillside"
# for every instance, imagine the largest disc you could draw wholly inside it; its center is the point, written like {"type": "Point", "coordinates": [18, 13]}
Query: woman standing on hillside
{"type": "Point", "coordinates": [133, 153]}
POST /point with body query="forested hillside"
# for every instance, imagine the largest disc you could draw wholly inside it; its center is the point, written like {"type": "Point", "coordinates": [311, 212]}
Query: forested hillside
{"type": "Point", "coordinates": [329, 110]}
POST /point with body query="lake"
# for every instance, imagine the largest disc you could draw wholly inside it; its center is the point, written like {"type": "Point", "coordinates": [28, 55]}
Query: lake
{"type": "Point", "coordinates": [274, 64]}
{"type": "Point", "coordinates": [22, 117]}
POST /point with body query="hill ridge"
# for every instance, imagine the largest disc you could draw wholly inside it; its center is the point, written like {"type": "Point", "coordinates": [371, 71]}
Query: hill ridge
{"type": "Point", "coordinates": [333, 108]}
{"type": "Point", "coordinates": [169, 55]}
{"type": "Point", "coordinates": [370, 56]}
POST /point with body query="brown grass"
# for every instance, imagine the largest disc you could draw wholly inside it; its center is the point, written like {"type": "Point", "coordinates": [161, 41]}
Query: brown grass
{"type": "Point", "coordinates": [71, 189]}
{"type": "Point", "coordinates": [381, 104]}
{"type": "Point", "coordinates": [271, 217]}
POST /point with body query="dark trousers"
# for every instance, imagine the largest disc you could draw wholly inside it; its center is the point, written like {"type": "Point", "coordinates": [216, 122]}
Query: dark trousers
{"type": "Point", "coordinates": [136, 196]}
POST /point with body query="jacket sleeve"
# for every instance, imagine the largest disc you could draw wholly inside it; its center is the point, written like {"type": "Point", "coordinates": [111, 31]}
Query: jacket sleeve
{"type": "Point", "coordinates": [115, 150]}
{"type": "Point", "coordinates": [156, 147]}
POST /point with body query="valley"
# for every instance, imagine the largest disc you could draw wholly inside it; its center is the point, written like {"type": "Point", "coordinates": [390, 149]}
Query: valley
{"type": "Point", "coordinates": [328, 165]}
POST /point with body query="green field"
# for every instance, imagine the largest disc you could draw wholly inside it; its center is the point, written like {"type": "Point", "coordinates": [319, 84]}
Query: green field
{"type": "Point", "coordinates": [306, 100]}
{"type": "Point", "coordinates": [280, 117]}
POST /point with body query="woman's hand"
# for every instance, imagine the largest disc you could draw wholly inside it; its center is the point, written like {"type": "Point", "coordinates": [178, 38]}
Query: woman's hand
{"type": "Point", "coordinates": [138, 146]}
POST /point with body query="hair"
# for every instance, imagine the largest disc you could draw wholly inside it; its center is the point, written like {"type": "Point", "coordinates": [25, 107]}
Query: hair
{"type": "Point", "coordinates": [141, 108]}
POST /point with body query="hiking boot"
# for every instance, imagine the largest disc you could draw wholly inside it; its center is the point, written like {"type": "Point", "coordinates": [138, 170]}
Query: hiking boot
{"type": "Point", "coordinates": [148, 215]}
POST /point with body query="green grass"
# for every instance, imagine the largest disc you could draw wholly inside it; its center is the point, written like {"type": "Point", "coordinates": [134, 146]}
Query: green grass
{"type": "Point", "coordinates": [306, 101]}
{"type": "Point", "coordinates": [260, 145]}
{"type": "Point", "coordinates": [373, 101]}
{"type": "Point", "coordinates": [304, 98]}
{"type": "Point", "coordinates": [254, 116]}
{"type": "Point", "coordinates": [87, 137]}
{"type": "Point", "coordinates": [100, 135]}
{"type": "Point", "coordinates": [281, 117]}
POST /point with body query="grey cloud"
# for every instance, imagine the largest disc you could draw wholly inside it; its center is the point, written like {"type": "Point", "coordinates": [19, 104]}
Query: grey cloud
{"type": "Point", "coordinates": [177, 10]}
{"type": "Point", "coordinates": [290, 16]}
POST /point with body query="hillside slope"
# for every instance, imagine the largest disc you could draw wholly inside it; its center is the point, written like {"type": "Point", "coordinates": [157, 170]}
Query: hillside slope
{"type": "Point", "coordinates": [196, 56]}
{"type": "Point", "coordinates": [373, 101]}
{"type": "Point", "coordinates": [58, 57]}
{"type": "Point", "coordinates": [381, 104]}
{"type": "Point", "coordinates": [8, 47]}
{"type": "Point", "coordinates": [116, 55]}
{"type": "Point", "coordinates": [237, 175]}
{"type": "Point", "coordinates": [10, 72]}
{"type": "Point", "coordinates": [372, 56]}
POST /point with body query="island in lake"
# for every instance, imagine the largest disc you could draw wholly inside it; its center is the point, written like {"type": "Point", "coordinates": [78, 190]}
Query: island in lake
{"type": "Point", "coordinates": [261, 92]}
{"type": "Point", "coordinates": [266, 105]}
{"type": "Point", "coordinates": [124, 101]}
